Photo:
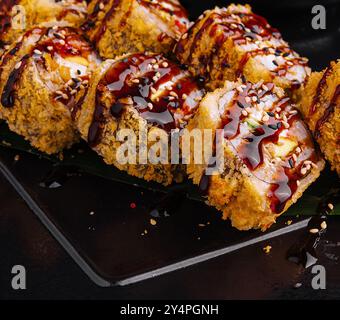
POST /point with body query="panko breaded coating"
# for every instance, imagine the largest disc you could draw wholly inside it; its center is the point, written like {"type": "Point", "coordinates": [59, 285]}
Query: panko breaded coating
{"type": "Point", "coordinates": [19, 16]}
{"type": "Point", "coordinates": [147, 94]}
{"type": "Point", "coordinates": [227, 43]}
{"type": "Point", "coordinates": [118, 27]}
{"type": "Point", "coordinates": [268, 155]}
{"type": "Point", "coordinates": [320, 107]}
{"type": "Point", "coordinates": [42, 77]}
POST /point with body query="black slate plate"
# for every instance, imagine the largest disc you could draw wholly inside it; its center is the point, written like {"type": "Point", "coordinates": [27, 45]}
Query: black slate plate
{"type": "Point", "coordinates": [109, 245]}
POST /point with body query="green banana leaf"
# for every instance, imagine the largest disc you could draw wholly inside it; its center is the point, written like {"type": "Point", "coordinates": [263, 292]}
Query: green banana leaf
{"type": "Point", "coordinates": [89, 162]}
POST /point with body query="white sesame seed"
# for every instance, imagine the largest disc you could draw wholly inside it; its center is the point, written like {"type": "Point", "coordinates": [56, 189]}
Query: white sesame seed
{"type": "Point", "coordinates": [314, 231]}
{"type": "Point", "coordinates": [303, 171]}
{"type": "Point", "coordinates": [245, 113]}
{"type": "Point", "coordinates": [323, 225]}
{"type": "Point", "coordinates": [101, 6]}
{"type": "Point", "coordinates": [18, 65]}
{"type": "Point", "coordinates": [298, 183]}
{"type": "Point", "coordinates": [184, 96]}
{"type": "Point", "coordinates": [298, 150]}
{"type": "Point", "coordinates": [153, 90]}
{"type": "Point", "coordinates": [185, 36]}
{"type": "Point", "coordinates": [285, 124]}
{"type": "Point", "coordinates": [150, 105]}
{"type": "Point", "coordinates": [49, 48]}
{"type": "Point", "coordinates": [165, 64]}
{"type": "Point", "coordinates": [278, 109]}
{"type": "Point", "coordinates": [135, 81]}
{"type": "Point", "coordinates": [62, 42]}
{"type": "Point", "coordinates": [331, 206]}
{"type": "Point", "coordinates": [294, 157]}
{"type": "Point", "coordinates": [36, 51]}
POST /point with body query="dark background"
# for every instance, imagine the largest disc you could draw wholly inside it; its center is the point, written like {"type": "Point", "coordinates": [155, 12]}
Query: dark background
{"type": "Point", "coordinates": [246, 274]}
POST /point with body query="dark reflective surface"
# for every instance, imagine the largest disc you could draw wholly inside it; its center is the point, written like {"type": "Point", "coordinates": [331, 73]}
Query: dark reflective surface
{"type": "Point", "coordinates": [122, 212]}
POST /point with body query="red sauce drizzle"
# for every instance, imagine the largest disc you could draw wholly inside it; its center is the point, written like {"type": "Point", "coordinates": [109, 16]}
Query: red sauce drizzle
{"type": "Point", "coordinates": [171, 110]}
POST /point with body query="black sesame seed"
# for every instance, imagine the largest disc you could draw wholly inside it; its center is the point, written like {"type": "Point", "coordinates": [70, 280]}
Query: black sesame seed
{"type": "Point", "coordinates": [279, 125]}
{"type": "Point", "coordinates": [271, 114]}
{"type": "Point", "coordinates": [275, 63]}
{"type": "Point", "coordinates": [243, 78]}
{"type": "Point", "coordinates": [240, 104]}
{"type": "Point", "coordinates": [286, 54]}
{"type": "Point", "coordinates": [291, 163]}
{"type": "Point", "coordinates": [273, 126]}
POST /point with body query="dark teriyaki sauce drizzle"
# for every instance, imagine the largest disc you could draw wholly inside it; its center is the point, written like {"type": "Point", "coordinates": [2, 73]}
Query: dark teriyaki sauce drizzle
{"type": "Point", "coordinates": [132, 78]}
{"type": "Point", "coordinates": [303, 252]}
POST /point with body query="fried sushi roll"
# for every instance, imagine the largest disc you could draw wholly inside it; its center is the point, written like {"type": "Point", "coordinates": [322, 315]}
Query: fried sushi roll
{"type": "Point", "coordinates": [320, 107]}
{"type": "Point", "coordinates": [18, 16]}
{"type": "Point", "coordinates": [227, 43]}
{"type": "Point", "coordinates": [148, 95]}
{"type": "Point", "coordinates": [268, 153]}
{"type": "Point", "coordinates": [118, 27]}
{"type": "Point", "coordinates": [42, 77]}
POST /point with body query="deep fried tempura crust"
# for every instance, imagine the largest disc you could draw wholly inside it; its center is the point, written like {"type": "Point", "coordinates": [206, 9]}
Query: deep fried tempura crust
{"type": "Point", "coordinates": [35, 108]}
{"type": "Point", "coordinates": [320, 107]}
{"type": "Point", "coordinates": [226, 43]}
{"type": "Point", "coordinates": [38, 13]}
{"type": "Point", "coordinates": [240, 193]}
{"type": "Point", "coordinates": [120, 27]}
{"type": "Point", "coordinates": [99, 126]}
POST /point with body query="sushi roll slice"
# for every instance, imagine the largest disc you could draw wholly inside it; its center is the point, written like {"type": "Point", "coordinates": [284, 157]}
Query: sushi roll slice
{"type": "Point", "coordinates": [151, 97]}
{"type": "Point", "coordinates": [42, 77]}
{"type": "Point", "coordinates": [320, 107]}
{"type": "Point", "coordinates": [268, 155]}
{"type": "Point", "coordinates": [18, 16]}
{"type": "Point", "coordinates": [227, 43]}
{"type": "Point", "coordinates": [118, 27]}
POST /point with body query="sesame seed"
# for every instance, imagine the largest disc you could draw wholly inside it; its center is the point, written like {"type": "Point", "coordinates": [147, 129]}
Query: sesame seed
{"type": "Point", "coordinates": [150, 105]}
{"type": "Point", "coordinates": [156, 66]}
{"type": "Point", "coordinates": [73, 92]}
{"type": "Point", "coordinates": [298, 150]}
{"type": "Point", "coordinates": [245, 113]}
{"type": "Point", "coordinates": [323, 225]}
{"type": "Point", "coordinates": [303, 171]}
{"type": "Point", "coordinates": [36, 51]}
{"type": "Point", "coordinates": [285, 124]}
{"type": "Point", "coordinates": [298, 183]}
{"type": "Point", "coordinates": [265, 118]}
{"type": "Point", "coordinates": [331, 206]}
{"type": "Point", "coordinates": [153, 222]}
{"type": "Point", "coordinates": [59, 92]}
{"type": "Point", "coordinates": [165, 64]}
{"type": "Point", "coordinates": [101, 6]}
{"type": "Point", "coordinates": [294, 156]}
{"type": "Point", "coordinates": [49, 48]}
{"type": "Point", "coordinates": [135, 81]}
{"type": "Point", "coordinates": [185, 36]}
{"type": "Point", "coordinates": [278, 109]}
{"type": "Point", "coordinates": [174, 94]}
{"type": "Point", "coordinates": [18, 65]}
{"type": "Point", "coordinates": [314, 231]}
{"type": "Point", "coordinates": [153, 90]}
{"type": "Point", "coordinates": [254, 99]}
{"type": "Point", "coordinates": [247, 99]}
{"type": "Point", "coordinates": [62, 42]}
{"type": "Point", "coordinates": [184, 96]}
